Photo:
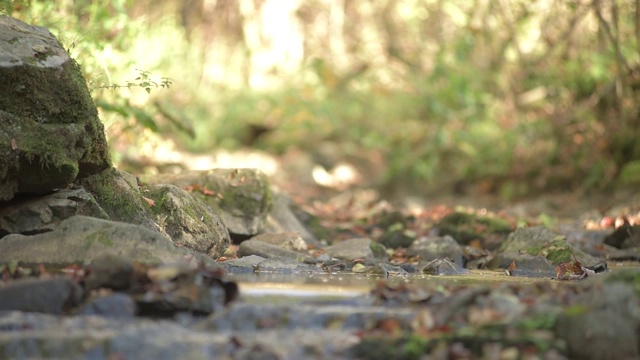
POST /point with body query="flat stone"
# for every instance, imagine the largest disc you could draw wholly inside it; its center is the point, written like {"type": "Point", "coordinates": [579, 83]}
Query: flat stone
{"type": "Point", "coordinates": [286, 240]}
{"type": "Point", "coordinates": [255, 247]}
{"type": "Point", "coordinates": [80, 238]}
{"type": "Point", "coordinates": [116, 305]}
{"type": "Point", "coordinates": [51, 296]}
{"type": "Point", "coordinates": [436, 247]}
{"type": "Point", "coordinates": [357, 248]}
{"type": "Point", "coordinates": [243, 265]}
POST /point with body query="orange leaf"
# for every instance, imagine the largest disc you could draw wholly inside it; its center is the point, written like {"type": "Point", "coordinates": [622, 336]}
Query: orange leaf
{"type": "Point", "coordinates": [149, 201]}
{"type": "Point", "coordinates": [513, 265]}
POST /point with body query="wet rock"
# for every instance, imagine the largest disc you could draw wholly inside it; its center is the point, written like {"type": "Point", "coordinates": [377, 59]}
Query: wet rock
{"type": "Point", "coordinates": [526, 265]}
{"type": "Point", "coordinates": [265, 250]}
{"type": "Point", "coordinates": [604, 324]}
{"type": "Point", "coordinates": [242, 197]}
{"type": "Point", "coordinates": [441, 267]}
{"type": "Point", "coordinates": [243, 265]}
{"type": "Point", "coordinates": [80, 238]}
{"type": "Point", "coordinates": [109, 271]}
{"type": "Point", "coordinates": [358, 248]}
{"type": "Point", "coordinates": [540, 241]}
{"type": "Point", "coordinates": [188, 221]}
{"type": "Point", "coordinates": [386, 269]}
{"type": "Point", "coordinates": [466, 227]}
{"type": "Point", "coordinates": [435, 247]}
{"type": "Point", "coordinates": [33, 215]}
{"type": "Point", "coordinates": [51, 296]}
{"type": "Point", "coordinates": [281, 219]}
{"type": "Point", "coordinates": [286, 240]}
{"type": "Point", "coordinates": [632, 254]}
{"type": "Point", "coordinates": [116, 305]}
{"type": "Point", "coordinates": [51, 130]}
{"type": "Point", "coordinates": [285, 266]}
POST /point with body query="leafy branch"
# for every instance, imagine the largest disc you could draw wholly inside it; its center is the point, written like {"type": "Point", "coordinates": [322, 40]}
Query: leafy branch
{"type": "Point", "coordinates": [143, 80]}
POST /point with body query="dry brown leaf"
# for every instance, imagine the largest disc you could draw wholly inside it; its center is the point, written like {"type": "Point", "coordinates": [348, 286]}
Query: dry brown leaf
{"type": "Point", "coordinates": [149, 201]}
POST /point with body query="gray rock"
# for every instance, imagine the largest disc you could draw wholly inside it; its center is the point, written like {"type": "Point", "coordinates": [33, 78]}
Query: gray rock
{"type": "Point", "coordinates": [188, 221]}
{"type": "Point", "coordinates": [242, 197]}
{"type": "Point", "coordinates": [436, 247]}
{"type": "Point", "coordinates": [532, 266]}
{"type": "Point", "coordinates": [243, 265]}
{"type": "Point", "coordinates": [40, 336]}
{"type": "Point", "coordinates": [268, 251]}
{"type": "Point", "coordinates": [285, 266]}
{"type": "Point", "coordinates": [286, 240]}
{"type": "Point", "coordinates": [386, 269]}
{"type": "Point", "coordinates": [358, 248]}
{"type": "Point", "coordinates": [442, 267]}
{"type": "Point", "coordinates": [34, 215]}
{"type": "Point", "coordinates": [246, 317]}
{"type": "Point", "coordinates": [80, 239]}
{"type": "Point", "coordinates": [282, 219]}
{"type": "Point", "coordinates": [540, 241]}
{"type": "Point", "coordinates": [109, 271]}
{"type": "Point", "coordinates": [50, 133]}
{"type": "Point", "coordinates": [607, 328]}
{"type": "Point", "coordinates": [51, 296]}
{"type": "Point", "coordinates": [116, 305]}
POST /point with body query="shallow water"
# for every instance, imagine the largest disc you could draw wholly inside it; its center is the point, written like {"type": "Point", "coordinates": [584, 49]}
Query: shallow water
{"type": "Point", "coordinates": [288, 288]}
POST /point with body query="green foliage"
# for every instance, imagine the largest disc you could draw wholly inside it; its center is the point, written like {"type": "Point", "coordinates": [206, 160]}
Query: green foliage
{"type": "Point", "coordinates": [514, 95]}
{"type": "Point", "coordinates": [143, 80]}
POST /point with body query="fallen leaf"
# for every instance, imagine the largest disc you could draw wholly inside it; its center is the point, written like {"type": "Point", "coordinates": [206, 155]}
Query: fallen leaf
{"type": "Point", "coordinates": [573, 270]}
{"type": "Point", "coordinates": [149, 201]}
{"type": "Point", "coordinates": [14, 145]}
{"type": "Point", "coordinates": [513, 265]}
{"type": "Point", "coordinates": [206, 191]}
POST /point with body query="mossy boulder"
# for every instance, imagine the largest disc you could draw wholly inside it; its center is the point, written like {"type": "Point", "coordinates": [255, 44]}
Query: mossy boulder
{"type": "Point", "coordinates": [173, 212]}
{"type": "Point", "coordinates": [118, 194]}
{"type": "Point", "coordinates": [188, 220]}
{"type": "Point", "coordinates": [540, 241]}
{"type": "Point", "coordinates": [50, 133]}
{"type": "Point", "coordinates": [242, 197]}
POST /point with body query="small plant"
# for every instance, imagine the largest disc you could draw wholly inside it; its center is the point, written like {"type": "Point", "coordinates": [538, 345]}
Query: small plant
{"type": "Point", "coordinates": [143, 80]}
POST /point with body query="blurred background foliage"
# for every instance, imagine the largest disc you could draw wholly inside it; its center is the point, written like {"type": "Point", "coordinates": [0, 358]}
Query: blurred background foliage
{"type": "Point", "coordinates": [494, 96]}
